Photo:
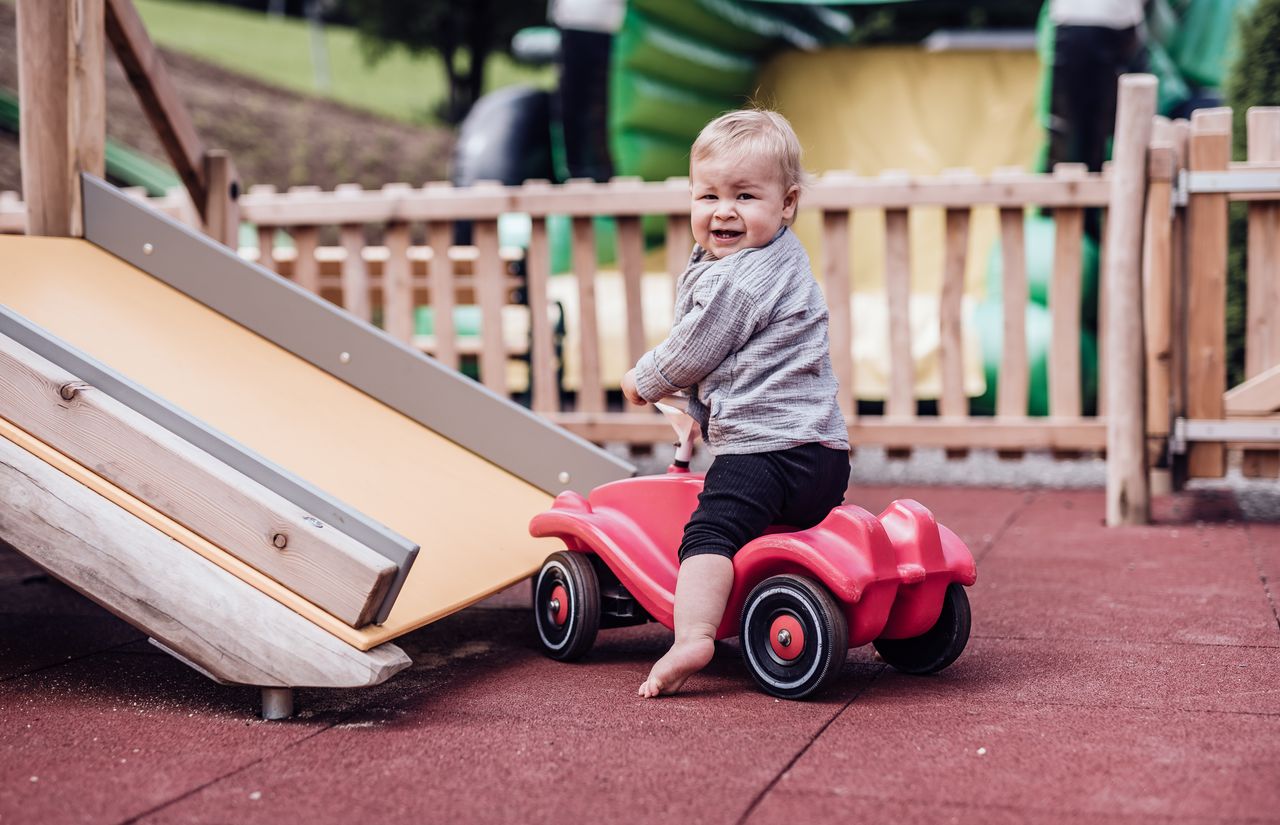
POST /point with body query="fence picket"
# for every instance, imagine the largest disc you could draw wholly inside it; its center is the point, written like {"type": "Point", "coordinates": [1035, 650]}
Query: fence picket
{"type": "Point", "coordinates": [835, 278]}
{"type": "Point", "coordinates": [1064, 303]}
{"type": "Point", "coordinates": [491, 293]}
{"type": "Point", "coordinates": [440, 276]}
{"type": "Point", "coordinates": [590, 389]}
{"type": "Point", "coordinates": [545, 392]}
{"type": "Point", "coordinates": [901, 403]}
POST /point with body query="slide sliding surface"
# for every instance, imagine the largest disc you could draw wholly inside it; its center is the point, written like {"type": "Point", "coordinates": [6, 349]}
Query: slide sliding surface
{"type": "Point", "coordinates": [468, 513]}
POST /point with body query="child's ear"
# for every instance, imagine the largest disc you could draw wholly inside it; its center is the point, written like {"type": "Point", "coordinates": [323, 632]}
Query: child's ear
{"type": "Point", "coordinates": [790, 201]}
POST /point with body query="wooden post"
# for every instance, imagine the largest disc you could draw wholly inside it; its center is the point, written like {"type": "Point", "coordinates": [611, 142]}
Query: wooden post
{"type": "Point", "coordinates": [1157, 283]}
{"type": "Point", "coordinates": [1209, 150]}
{"type": "Point", "coordinates": [222, 199]}
{"type": "Point", "coordinates": [1262, 341]}
{"type": "Point", "coordinates": [61, 94]}
{"type": "Point", "coordinates": [1128, 495]}
{"type": "Point", "coordinates": [1178, 307]}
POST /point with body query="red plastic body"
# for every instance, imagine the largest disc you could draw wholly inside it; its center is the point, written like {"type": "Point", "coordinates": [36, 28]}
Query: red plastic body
{"type": "Point", "coordinates": [889, 571]}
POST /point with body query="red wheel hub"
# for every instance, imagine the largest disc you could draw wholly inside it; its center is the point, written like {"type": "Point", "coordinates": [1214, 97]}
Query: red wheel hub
{"type": "Point", "coordinates": [559, 605]}
{"type": "Point", "coordinates": [786, 637]}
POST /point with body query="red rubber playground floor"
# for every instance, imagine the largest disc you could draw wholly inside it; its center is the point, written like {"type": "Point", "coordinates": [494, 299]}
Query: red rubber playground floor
{"type": "Point", "coordinates": [1124, 675]}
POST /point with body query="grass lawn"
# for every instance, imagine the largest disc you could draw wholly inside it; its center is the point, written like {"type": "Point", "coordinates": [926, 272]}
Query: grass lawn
{"type": "Point", "coordinates": [278, 51]}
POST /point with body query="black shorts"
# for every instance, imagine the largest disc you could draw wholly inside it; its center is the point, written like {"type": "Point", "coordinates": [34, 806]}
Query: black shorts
{"type": "Point", "coordinates": [743, 495]}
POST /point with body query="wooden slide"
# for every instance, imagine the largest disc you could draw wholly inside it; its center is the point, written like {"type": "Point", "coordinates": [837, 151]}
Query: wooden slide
{"type": "Point", "coordinates": [172, 412]}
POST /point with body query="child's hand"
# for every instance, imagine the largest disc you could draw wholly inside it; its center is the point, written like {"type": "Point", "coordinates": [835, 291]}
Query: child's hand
{"type": "Point", "coordinates": [629, 389]}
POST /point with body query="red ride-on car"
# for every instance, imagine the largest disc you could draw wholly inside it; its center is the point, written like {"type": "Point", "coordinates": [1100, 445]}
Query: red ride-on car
{"type": "Point", "coordinates": [800, 599]}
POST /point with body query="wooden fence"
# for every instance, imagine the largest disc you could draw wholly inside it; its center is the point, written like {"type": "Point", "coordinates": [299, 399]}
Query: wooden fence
{"type": "Point", "coordinates": [398, 276]}
{"type": "Point", "coordinates": [1193, 420]}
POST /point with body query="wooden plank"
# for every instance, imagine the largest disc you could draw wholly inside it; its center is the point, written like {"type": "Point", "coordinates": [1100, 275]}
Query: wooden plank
{"type": "Point", "coordinates": [953, 402]}
{"type": "Point", "coordinates": [901, 403]}
{"type": "Point", "coordinates": [1209, 149]}
{"type": "Point", "coordinates": [985, 433]}
{"type": "Point", "coordinates": [1157, 292]}
{"type": "Point", "coordinates": [1260, 395]}
{"type": "Point", "coordinates": [1128, 493]}
{"type": "Point", "coordinates": [306, 269]}
{"type": "Point", "coordinates": [491, 295]}
{"type": "Point", "coordinates": [266, 232]}
{"type": "Point", "coordinates": [1011, 392]}
{"type": "Point", "coordinates": [836, 281]}
{"type": "Point", "coordinates": [631, 262]}
{"type": "Point", "coordinates": [225, 626]}
{"type": "Point", "coordinates": [354, 276]}
{"type": "Point", "coordinates": [222, 209]}
{"type": "Point", "coordinates": [440, 236]}
{"type": "Point", "coordinates": [61, 94]}
{"type": "Point", "coordinates": [397, 287]}
{"type": "Point", "coordinates": [160, 100]}
{"type": "Point", "coordinates": [679, 244]}
{"type": "Point", "coordinates": [545, 391]}
{"type": "Point", "coordinates": [1065, 293]}
{"type": "Point", "coordinates": [1262, 336]}
{"type": "Point", "coordinates": [590, 389]}
{"type": "Point", "coordinates": [328, 568]}
{"type": "Point", "coordinates": [439, 201]}
{"type": "Point", "coordinates": [1178, 306]}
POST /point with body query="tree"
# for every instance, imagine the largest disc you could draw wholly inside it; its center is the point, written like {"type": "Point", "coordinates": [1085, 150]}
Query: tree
{"type": "Point", "coordinates": [1254, 80]}
{"type": "Point", "coordinates": [463, 33]}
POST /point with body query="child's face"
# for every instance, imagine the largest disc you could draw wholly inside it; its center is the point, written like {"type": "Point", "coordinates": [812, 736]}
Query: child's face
{"type": "Point", "coordinates": [739, 202]}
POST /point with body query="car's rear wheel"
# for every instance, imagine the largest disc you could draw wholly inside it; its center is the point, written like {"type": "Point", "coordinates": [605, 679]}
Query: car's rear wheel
{"type": "Point", "coordinates": [566, 605]}
{"type": "Point", "coordinates": [937, 647]}
{"type": "Point", "coordinates": [794, 636]}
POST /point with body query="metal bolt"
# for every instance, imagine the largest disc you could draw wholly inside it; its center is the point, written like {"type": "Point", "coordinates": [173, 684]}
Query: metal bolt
{"type": "Point", "coordinates": [147, 249]}
{"type": "Point", "coordinates": [554, 605]}
{"type": "Point", "coordinates": [784, 637]}
{"type": "Point", "coordinates": [564, 477]}
{"type": "Point", "coordinates": [345, 357]}
{"type": "Point", "coordinates": [280, 540]}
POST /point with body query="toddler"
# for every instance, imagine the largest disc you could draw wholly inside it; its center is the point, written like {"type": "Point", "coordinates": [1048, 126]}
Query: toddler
{"type": "Point", "coordinates": [749, 344]}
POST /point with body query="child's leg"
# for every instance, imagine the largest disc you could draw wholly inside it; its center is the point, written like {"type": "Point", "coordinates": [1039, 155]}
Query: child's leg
{"type": "Point", "coordinates": [702, 590]}
{"type": "Point", "coordinates": [741, 496]}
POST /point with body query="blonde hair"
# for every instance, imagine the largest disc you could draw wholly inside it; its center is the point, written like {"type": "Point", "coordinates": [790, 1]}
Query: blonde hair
{"type": "Point", "coordinates": [754, 131]}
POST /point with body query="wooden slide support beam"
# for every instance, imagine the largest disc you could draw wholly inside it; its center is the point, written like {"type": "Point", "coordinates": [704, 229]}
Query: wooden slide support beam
{"type": "Point", "coordinates": [164, 108]}
{"type": "Point", "coordinates": [1128, 490]}
{"type": "Point", "coordinates": [61, 94]}
{"type": "Point", "coordinates": [214, 621]}
{"type": "Point", "coordinates": [256, 525]}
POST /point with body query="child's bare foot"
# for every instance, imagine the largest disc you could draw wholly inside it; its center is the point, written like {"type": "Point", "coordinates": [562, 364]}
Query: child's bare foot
{"type": "Point", "coordinates": [680, 662]}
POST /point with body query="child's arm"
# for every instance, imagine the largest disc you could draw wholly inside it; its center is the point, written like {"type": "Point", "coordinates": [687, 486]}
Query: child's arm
{"type": "Point", "coordinates": [719, 324]}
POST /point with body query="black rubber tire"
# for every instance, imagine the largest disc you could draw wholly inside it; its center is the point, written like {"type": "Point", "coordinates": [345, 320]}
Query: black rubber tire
{"type": "Point", "coordinates": [574, 638]}
{"type": "Point", "coordinates": [938, 647]}
{"type": "Point", "coordinates": [826, 636]}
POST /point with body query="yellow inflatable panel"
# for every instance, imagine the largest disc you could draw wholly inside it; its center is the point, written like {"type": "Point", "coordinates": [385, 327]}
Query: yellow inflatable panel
{"type": "Point", "coordinates": [470, 516]}
{"type": "Point", "coordinates": [871, 110]}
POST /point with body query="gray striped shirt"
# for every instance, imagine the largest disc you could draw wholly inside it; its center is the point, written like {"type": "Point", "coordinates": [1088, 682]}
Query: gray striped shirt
{"type": "Point", "coordinates": [750, 345]}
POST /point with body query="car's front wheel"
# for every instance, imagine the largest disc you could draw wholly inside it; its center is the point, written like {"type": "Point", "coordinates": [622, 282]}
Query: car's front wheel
{"type": "Point", "coordinates": [566, 605]}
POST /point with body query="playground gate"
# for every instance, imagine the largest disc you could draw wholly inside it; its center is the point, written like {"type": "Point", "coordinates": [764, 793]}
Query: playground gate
{"type": "Point", "coordinates": [1193, 420]}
